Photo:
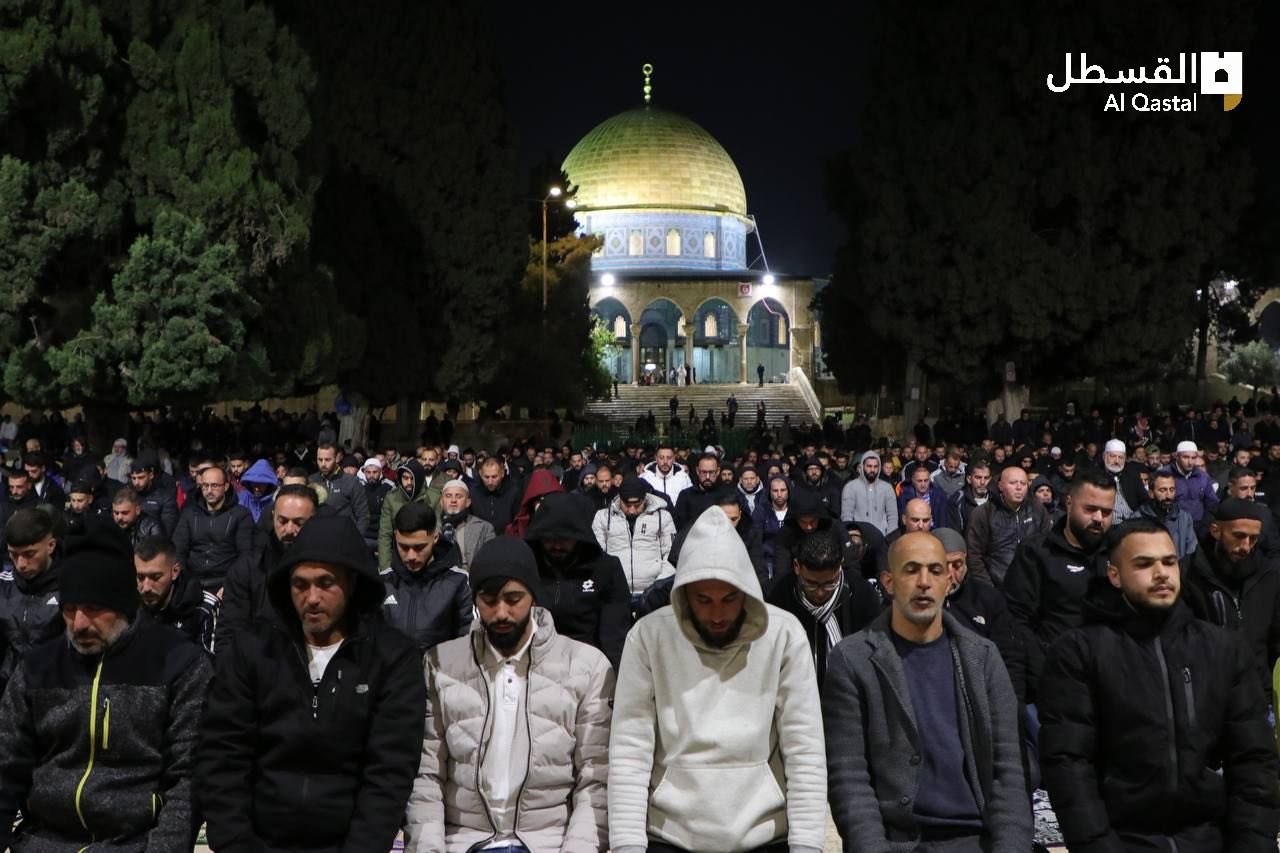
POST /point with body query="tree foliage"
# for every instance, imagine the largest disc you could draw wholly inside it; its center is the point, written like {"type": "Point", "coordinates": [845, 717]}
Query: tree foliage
{"type": "Point", "coordinates": [991, 220]}
{"type": "Point", "coordinates": [1255, 364]}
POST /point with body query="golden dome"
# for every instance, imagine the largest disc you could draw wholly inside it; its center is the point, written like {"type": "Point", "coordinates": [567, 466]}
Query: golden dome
{"type": "Point", "coordinates": [652, 159]}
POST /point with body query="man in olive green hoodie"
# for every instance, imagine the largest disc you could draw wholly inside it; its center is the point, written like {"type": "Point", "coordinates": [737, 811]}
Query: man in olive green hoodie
{"type": "Point", "coordinates": [412, 484]}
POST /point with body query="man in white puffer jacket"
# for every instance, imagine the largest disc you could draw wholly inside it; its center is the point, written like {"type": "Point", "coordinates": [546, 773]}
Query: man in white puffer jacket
{"type": "Point", "coordinates": [637, 529]}
{"type": "Point", "coordinates": [716, 742]}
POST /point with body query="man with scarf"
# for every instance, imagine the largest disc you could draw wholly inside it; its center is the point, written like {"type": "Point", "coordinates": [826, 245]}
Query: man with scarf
{"type": "Point", "coordinates": [1130, 495]}
{"type": "Point", "coordinates": [829, 606]}
{"type": "Point", "coordinates": [458, 526]}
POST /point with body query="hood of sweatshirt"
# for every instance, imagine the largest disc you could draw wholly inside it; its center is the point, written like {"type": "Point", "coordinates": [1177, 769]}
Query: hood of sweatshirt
{"type": "Point", "coordinates": [262, 473]}
{"type": "Point", "coordinates": [419, 475]}
{"type": "Point", "coordinates": [712, 550]}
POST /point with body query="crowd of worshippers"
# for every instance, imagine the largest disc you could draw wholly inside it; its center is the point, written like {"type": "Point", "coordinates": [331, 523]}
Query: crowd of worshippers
{"type": "Point", "coordinates": [656, 647]}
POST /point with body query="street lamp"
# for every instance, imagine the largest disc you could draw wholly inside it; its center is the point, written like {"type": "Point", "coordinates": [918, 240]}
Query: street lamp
{"type": "Point", "coordinates": [554, 192]}
{"type": "Point", "coordinates": [607, 279]}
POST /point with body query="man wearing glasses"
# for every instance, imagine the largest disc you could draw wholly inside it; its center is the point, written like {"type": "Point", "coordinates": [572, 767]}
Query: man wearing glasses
{"type": "Point", "coordinates": [816, 592]}
{"type": "Point", "coordinates": [213, 533]}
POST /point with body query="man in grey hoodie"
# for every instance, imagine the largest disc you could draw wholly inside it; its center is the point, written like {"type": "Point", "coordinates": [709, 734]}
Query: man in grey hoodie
{"type": "Point", "coordinates": [869, 499]}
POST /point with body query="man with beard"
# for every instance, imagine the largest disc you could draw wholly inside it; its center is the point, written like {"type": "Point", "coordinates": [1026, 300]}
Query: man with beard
{"type": "Point", "coordinates": [76, 778]}
{"type": "Point", "coordinates": [458, 526]}
{"type": "Point", "coordinates": [694, 500]}
{"type": "Point", "coordinates": [1242, 483]}
{"type": "Point", "coordinates": [126, 512]}
{"type": "Point", "coordinates": [313, 724]}
{"type": "Point", "coordinates": [531, 775]}
{"type": "Point", "coordinates": [976, 492]}
{"type": "Point", "coordinates": [244, 596]}
{"type": "Point", "coordinates": [1195, 489]}
{"type": "Point", "coordinates": [345, 494]}
{"type": "Point", "coordinates": [169, 595]}
{"type": "Point", "coordinates": [1155, 733]}
{"type": "Point", "coordinates": [157, 500]}
{"type": "Point", "coordinates": [1228, 583]}
{"type": "Point", "coordinates": [1163, 507]}
{"type": "Point", "coordinates": [751, 488]}
{"type": "Point", "coordinates": [603, 491]}
{"type": "Point", "coordinates": [412, 480]}
{"type": "Point", "coordinates": [827, 489]}
{"type": "Point", "coordinates": [497, 499]}
{"type": "Point", "coordinates": [665, 476]}
{"type": "Point", "coordinates": [29, 604]}
{"type": "Point", "coordinates": [584, 588]}
{"type": "Point", "coordinates": [375, 494]}
{"type": "Point", "coordinates": [997, 527]}
{"type": "Point", "coordinates": [716, 697]}
{"type": "Point", "coordinates": [921, 722]}
{"type": "Point", "coordinates": [1050, 572]}
{"type": "Point", "coordinates": [868, 498]}
{"type": "Point", "coordinates": [427, 593]}
{"type": "Point", "coordinates": [1130, 495]}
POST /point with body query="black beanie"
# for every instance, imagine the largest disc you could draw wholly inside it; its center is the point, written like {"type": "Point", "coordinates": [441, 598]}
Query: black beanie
{"type": "Point", "coordinates": [97, 570]}
{"type": "Point", "coordinates": [1238, 509]}
{"type": "Point", "coordinates": [505, 557]}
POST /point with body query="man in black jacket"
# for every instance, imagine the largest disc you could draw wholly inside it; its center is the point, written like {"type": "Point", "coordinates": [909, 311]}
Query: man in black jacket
{"type": "Point", "coordinates": [157, 500]}
{"type": "Point", "coordinates": [1229, 583]}
{"type": "Point", "coordinates": [244, 595]}
{"type": "Point", "coordinates": [1154, 734]}
{"type": "Point", "coordinates": [344, 493]}
{"type": "Point", "coordinates": [815, 479]}
{"type": "Point", "coordinates": [76, 777]}
{"type": "Point", "coordinates": [498, 498]}
{"type": "Point", "coordinates": [214, 532]}
{"type": "Point", "coordinates": [126, 512]}
{"type": "Point", "coordinates": [584, 588]}
{"type": "Point", "coordinates": [829, 606]}
{"type": "Point", "coordinates": [428, 596]}
{"type": "Point", "coordinates": [313, 727]}
{"type": "Point", "coordinates": [706, 488]}
{"type": "Point", "coordinates": [30, 611]}
{"type": "Point", "coordinates": [1050, 572]}
{"type": "Point", "coordinates": [170, 596]}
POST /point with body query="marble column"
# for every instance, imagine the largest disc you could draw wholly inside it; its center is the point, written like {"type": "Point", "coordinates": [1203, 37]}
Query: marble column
{"type": "Point", "coordinates": [743, 329]}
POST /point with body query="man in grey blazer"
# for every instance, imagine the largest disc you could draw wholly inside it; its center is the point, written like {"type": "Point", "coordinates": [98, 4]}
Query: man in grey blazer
{"type": "Point", "coordinates": [922, 725]}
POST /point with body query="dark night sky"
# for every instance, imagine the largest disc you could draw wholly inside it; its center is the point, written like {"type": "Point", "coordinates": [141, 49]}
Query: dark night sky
{"type": "Point", "coordinates": [776, 93]}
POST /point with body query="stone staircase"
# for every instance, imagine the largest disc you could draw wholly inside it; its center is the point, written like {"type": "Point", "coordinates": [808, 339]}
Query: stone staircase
{"type": "Point", "coordinates": [633, 401]}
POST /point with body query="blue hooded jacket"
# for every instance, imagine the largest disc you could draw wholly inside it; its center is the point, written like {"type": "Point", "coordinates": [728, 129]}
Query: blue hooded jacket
{"type": "Point", "coordinates": [262, 473]}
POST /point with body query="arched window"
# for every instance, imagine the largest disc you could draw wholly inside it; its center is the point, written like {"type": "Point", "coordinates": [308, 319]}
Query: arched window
{"type": "Point", "coordinates": [709, 245]}
{"type": "Point", "coordinates": [710, 325]}
{"type": "Point", "coordinates": [635, 245]}
{"type": "Point", "coordinates": [673, 242]}
{"type": "Point", "coordinates": [619, 326]}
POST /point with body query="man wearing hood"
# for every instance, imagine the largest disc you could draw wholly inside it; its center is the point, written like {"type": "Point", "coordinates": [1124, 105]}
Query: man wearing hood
{"type": "Point", "coordinates": [518, 715]}
{"type": "Point", "coordinates": [427, 593]}
{"type": "Point", "coordinates": [976, 492]}
{"type": "Point", "coordinates": [313, 726]}
{"type": "Point", "coordinates": [1229, 583]}
{"type": "Point", "coordinates": [497, 498]}
{"type": "Point", "coordinates": [170, 596]}
{"type": "Point", "coordinates": [1155, 733]}
{"type": "Point", "coordinates": [638, 530]}
{"type": "Point", "coordinates": [715, 742]}
{"type": "Point", "coordinates": [1163, 507]}
{"type": "Point", "coordinates": [583, 588]}
{"type": "Point", "coordinates": [828, 604]}
{"type": "Point", "coordinates": [541, 482]}
{"type": "Point", "coordinates": [411, 487]}
{"type": "Point", "coordinates": [258, 490]}
{"type": "Point", "coordinates": [83, 776]}
{"type": "Point", "coordinates": [244, 595]}
{"type": "Point", "coordinates": [458, 526]}
{"type": "Point", "coordinates": [997, 527]}
{"type": "Point", "coordinates": [922, 724]}
{"type": "Point", "coordinates": [1049, 576]}
{"type": "Point", "coordinates": [868, 498]}
{"type": "Point", "coordinates": [826, 488]}
{"type": "Point", "coordinates": [1196, 494]}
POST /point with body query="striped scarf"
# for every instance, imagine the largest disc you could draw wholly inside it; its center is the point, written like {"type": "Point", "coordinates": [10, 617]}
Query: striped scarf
{"type": "Point", "coordinates": [823, 614]}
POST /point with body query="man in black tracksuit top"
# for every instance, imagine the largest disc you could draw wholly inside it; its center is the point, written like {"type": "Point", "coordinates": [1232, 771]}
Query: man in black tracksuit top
{"type": "Point", "coordinates": [584, 588]}
{"type": "Point", "coordinates": [30, 610]}
{"type": "Point", "coordinates": [428, 595]}
{"type": "Point", "coordinates": [1154, 733]}
{"type": "Point", "coordinates": [313, 727]}
{"type": "Point", "coordinates": [172, 597]}
{"type": "Point", "coordinates": [1229, 583]}
{"type": "Point", "coordinates": [1047, 580]}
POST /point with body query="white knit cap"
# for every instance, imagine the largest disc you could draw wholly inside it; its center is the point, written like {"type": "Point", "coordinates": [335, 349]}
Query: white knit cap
{"type": "Point", "coordinates": [1187, 447]}
{"type": "Point", "coordinates": [1115, 445]}
{"type": "Point", "coordinates": [456, 484]}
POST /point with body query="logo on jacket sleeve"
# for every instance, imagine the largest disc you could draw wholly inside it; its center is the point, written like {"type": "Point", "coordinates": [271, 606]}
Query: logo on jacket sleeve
{"type": "Point", "coordinates": [53, 599]}
{"type": "Point", "coordinates": [390, 599]}
{"type": "Point", "coordinates": [1075, 570]}
{"type": "Point", "coordinates": [588, 585]}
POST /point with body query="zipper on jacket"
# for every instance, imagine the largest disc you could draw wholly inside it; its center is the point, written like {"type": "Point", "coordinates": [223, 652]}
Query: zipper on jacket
{"type": "Point", "coordinates": [93, 743]}
{"type": "Point", "coordinates": [1188, 694]}
{"type": "Point", "coordinates": [1171, 730]}
{"type": "Point", "coordinates": [106, 723]}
